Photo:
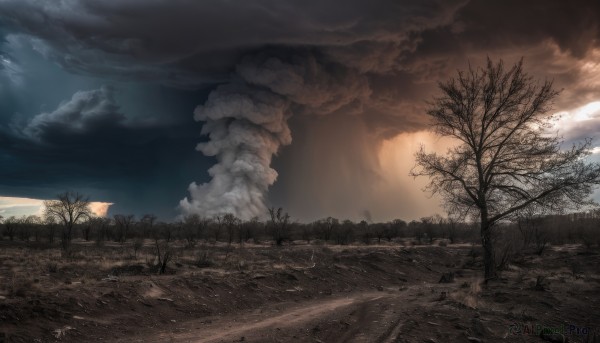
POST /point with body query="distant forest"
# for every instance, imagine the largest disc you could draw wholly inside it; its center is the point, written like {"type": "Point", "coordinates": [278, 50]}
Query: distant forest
{"type": "Point", "coordinates": [525, 231]}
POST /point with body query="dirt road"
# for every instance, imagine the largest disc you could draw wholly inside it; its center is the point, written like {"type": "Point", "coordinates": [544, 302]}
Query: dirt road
{"type": "Point", "coordinates": [361, 313]}
{"type": "Point", "coordinates": [355, 317]}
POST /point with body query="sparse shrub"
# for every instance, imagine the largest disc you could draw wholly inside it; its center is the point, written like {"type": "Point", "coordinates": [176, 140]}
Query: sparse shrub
{"type": "Point", "coordinates": [366, 237]}
{"type": "Point", "coordinates": [86, 230]}
{"type": "Point", "coordinates": [503, 257]}
{"type": "Point", "coordinates": [52, 267]}
{"type": "Point", "coordinates": [162, 256]}
{"type": "Point", "coordinates": [123, 223]}
{"type": "Point", "coordinates": [306, 232]}
{"type": "Point", "coordinates": [541, 241]}
{"type": "Point", "coordinates": [20, 287]}
{"type": "Point", "coordinates": [474, 253]}
{"type": "Point", "coordinates": [540, 283]}
{"type": "Point", "coordinates": [138, 243]}
{"type": "Point", "coordinates": [204, 260]}
{"type": "Point", "coordinates": [379, 231]}
{"type": "Point", "coordinates": [576, 269]}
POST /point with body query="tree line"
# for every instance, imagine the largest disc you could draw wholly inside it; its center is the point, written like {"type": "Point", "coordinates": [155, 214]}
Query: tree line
{"type": "Point", "coordinates": [61, 225]}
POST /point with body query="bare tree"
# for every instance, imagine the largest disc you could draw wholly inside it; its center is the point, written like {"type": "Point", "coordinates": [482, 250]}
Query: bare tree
{"type": "Point", "coordinates": [506, 158]}
{"type": "Point", "coordinates": [147, 222]}
{"type": "Point", "coordinates": [192, 228]}
{"type": "Point", "coordinates": [31, 225]}
{"type": "Point", "coordinates": [278, 225]}
{"type": "Point", "coordinates": [217, 227]}
{"type": "Point", "coordinates": [10, 227]}
{"type": "Point", "coordinates": [123, 223]}
{"type": "Point", "coordinates": [451, 224]}
{"type": "Point", "coordinates": [325, 227]}
{"type": "Point", "coordinates": [231, 223]}
{"type": "Point", "coordinates": [396, 226]}
{"type": "Point", "coordinates": [248, 230]}
{"type": "Point", "coordinates": [528, 222]}
{"type": "Point", "coordinates": [99, 226]}
{"type": "Point", "coordinates": [50, 228]}
{"type": "Point", "coordinates": [69, 209]}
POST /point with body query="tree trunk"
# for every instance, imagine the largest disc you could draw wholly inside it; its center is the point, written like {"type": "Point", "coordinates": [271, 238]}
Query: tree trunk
{"type": "Point", "coordinates": [488, 249]}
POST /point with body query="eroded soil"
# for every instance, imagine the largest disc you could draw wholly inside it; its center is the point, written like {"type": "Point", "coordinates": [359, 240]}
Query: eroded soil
{"type": "Point", "coordinates": [299, 293]}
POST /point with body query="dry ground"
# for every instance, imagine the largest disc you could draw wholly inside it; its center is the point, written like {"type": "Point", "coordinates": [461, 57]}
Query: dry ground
{"type": "Point", "coordinates": [297, 293]}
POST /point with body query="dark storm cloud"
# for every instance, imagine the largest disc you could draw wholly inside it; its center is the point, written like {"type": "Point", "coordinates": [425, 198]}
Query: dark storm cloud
{"type": "Point", "coordinates": [285, 57]}
{"type": "Point", "coordinates": [573, 25]}
{"type": "Point", "coordinates": [86, 112]}
{"type": "Point", "coordinates": [194, 42]}
{"type": "Point", "coordinates": [378, 60]}
{"type": "Point", "coordinates": [84, 132]}
{"type": "Point", "coordinates": [88, 143]}
{"type": "Point", "coordinates": [189, 43]}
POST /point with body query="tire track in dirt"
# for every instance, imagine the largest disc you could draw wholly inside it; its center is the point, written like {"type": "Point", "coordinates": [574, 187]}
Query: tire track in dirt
{"type": "Point", "coordinates": [370, 317]}
{"type": "Point", "coordinates": [253, 326]}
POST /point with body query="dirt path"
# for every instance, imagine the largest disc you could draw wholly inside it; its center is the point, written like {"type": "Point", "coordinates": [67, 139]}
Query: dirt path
{"type": "Point", "coordinates": [355, 317]}
{"type": "Point", "coordinates": [288, 319]}
{"type": "Point", "coordinates": [297, 322]}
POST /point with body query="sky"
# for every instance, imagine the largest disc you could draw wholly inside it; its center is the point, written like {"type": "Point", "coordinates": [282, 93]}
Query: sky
{"type": "Point", "coordinates": [177, 106]}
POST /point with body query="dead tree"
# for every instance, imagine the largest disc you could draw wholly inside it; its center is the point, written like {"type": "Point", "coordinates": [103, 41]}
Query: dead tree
{"type": "Point", "coordinates": [10, 227]}
{"type": "Point", "coordinates": [123, 224]}
{"type": "Point", "coordinates": [506, 158]}
{"type": "Point", "coordinates": [163, 256]}
{"type": "Point", "coordinates": [278, 225]}
{"type": "Point", "coordinates": [69, 209]}
{"type": "Point", "coordinates": [231, 223]}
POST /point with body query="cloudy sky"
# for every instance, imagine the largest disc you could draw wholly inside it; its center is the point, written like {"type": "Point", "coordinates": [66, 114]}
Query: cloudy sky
{"type": "Point", "coordinates": [181, 106]}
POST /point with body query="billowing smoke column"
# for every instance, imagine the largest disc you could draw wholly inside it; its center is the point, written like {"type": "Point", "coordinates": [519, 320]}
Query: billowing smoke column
{"type": "Point", "coordinates": [246, 122]}
{"type": "Point", "coordinates": [246, 127]}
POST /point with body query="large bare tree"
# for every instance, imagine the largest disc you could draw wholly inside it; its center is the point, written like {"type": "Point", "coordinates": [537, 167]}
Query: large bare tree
{"type": "Point", "coordinates": [506, 157]}
{"type": "Point", "coordinates": [69, 209]}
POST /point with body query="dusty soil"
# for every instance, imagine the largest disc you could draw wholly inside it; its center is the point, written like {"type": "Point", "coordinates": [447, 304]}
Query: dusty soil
{"type": "Point", "coordinates": [297, 293]}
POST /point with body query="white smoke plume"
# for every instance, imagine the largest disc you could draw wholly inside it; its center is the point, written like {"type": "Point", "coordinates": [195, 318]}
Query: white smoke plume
{"type": "Point", "coordinates": [246, 122]}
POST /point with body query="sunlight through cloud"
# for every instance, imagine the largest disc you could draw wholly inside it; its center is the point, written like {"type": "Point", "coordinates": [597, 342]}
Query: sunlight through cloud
{"type": "Point", "coordinates": [18, 207]}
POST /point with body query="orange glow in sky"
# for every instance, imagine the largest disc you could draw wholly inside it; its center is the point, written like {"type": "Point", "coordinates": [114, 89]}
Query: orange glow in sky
{"type": "Point", "coordinates": [11, 206]}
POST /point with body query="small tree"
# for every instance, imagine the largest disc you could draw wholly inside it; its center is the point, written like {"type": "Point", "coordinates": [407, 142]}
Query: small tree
{"type": "Point", "coordinates": [278, 225]}
{"type": "Point", "coordinates": [147, 223]}
{"type": "Point", "coordinates": [99, 226]}
{"type": "Point", "coordinates": [528, 222]}
{"type": "Point", "coordinates": [249, 230]}
{"type": "Point", "coordinates": [69, 209]}
{"type": "Point", "coordinates": [10, 227]}
{"type": "Point", "coordinates": [306, 231]}
{"type": "Point", "coordinates": [506, 159]}
{"type": "Point", "coordinates": [123, 224]}
{"type": "Point", "coordinates": [231, 223]}
{"type": "Point", "coordinates": [191, 229]}
{"type": "Point", "coordinates": [325, 227]}
{"type": "Point", "coordinates": [217, 227]}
